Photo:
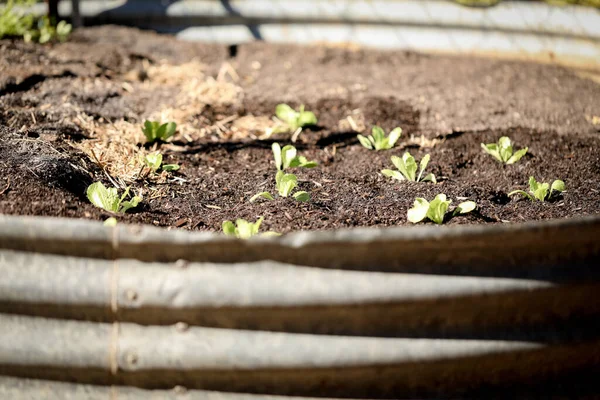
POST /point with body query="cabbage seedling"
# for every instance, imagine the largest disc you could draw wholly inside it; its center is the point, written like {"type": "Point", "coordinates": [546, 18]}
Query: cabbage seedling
{"type": "Point", "coordinates": [539, 190]}
{"type": "Point", "coordinates": [503, 151]}
{"type": "Point", "coordinates": [287, 158]}
{"type": "Point", "coordinates": [243, 229]}
{"type": "Point", "coordinates": [108, 198]}
{"type": "Point", "coordinates": [407, 169]}
{"type": "Point", "coordinates": [378, 141]}
{"type": "Point", "coordinates": [285, 184]}
{"type": "Point", "coordinates": [295, 119]}
{"type": "Point", "coordinates": [154, 162]}
{"type": "Point", "coordinates": [436, 209]}
{"type": "Point", "coordinates": [154, 130]}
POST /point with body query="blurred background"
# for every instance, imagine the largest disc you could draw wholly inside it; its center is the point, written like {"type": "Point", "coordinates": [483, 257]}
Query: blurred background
{"type": "Point", "coordinates": [566, 29]}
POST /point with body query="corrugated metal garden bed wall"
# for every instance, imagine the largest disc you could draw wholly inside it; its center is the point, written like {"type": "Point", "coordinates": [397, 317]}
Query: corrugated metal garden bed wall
{"type": "Point", "coordinates": [88, 311]}
{"type": "Point", "coordinates": [385, 313]}
{"type": "Point", "coordinates": [569, 34]}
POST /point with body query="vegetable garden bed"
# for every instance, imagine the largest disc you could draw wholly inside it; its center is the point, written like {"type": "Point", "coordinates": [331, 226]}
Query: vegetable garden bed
{"type": "Point", "coordinates": [72, 114]}
{"type": "Point", "coordinates": [496, 308]}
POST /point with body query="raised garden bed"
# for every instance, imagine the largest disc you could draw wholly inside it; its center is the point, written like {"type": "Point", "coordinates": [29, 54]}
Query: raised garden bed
{"type": "Point", "coordinates": [496, 308]}
{"type": "Point", "coordinates": [62, 105]}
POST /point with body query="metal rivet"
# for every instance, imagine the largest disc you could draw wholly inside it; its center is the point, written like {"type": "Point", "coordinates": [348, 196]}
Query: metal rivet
{"type": "Point", "coordinates": [179, 389]}
{"type": "Point", "coordinates": [131, 295]}
{"type": "Point", "coordinates": [134, 229]}
{"type": "Point", "coordinates": [131, 358]}
{"type": "Point", "coordinates": [182, 264]}
{"type": "Point", "coordinates": [181, 327]}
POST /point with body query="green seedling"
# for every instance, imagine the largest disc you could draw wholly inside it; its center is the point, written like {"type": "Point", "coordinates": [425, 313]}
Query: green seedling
{"type": "Point", "coordinates": [407, 169]}
{"type": "Point", "coordinates": [539, 190]}
{"type": "Point", "coordinates": [287, 158]}
{"type": "Point", "coordinates": [154, 162]}
{"type": "Point", "coordinates": [15, 21]}
{"type": "Point", "coordinates": [294, 120]}
{"type": "Point", "coordinates": [243, 229]}
{"type": "Point", "coordinates": [503, 151]}
{"type": "Point", "coordinates": [378, 141]}
{"type": "Point", "coordinates": [285, 183]}
{"type": "Point", "coordinates": [154, 130]}
{"type": "Point", "coordinates": [108, 198]}
{"type": "Point", "coordinates": [436, 209]}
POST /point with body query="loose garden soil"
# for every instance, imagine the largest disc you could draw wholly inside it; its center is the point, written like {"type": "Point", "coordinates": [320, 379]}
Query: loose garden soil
{"type": "Point", "coordinates": [70, 114]}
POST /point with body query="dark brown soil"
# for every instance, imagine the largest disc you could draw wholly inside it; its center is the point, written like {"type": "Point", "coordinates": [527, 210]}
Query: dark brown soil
{"type": "Point", "coordinates": [460, 101]}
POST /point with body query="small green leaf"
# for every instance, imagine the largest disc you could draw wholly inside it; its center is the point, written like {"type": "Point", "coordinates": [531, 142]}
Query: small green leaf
{"type": "Point", "coordinates": [244, 229]}
{"type": "Point", "coordinates": [524, 193]}
{"type": "Point", "coordinates": [419, 210]}
{"type": "Point", "coordinates": [170, 129]}
{"type": "Point", "coordinates": [265, 195]}
{"type": "Point", "coordinates": [278, 177]}
{"type": "Point", "coordinates": [533, 184]}
{"type": "Point", "coordinates": [153, 161]}
{"type": "Point", "coordinates": [170, 167]}
{"type": "Point", "coordinates": [256, 225]}
{"type": "Point", "coordinates": [302, 196]}
{"type": "Point", "coordinates": [288, 154]}
{"type": "Point", "coordinates": [492, 149]}
{"type": "Point", "coordinates": [286, 114]}
{"type": "Point", "coordinates": [228, 228]}
{"type": "Point", "coordinates": [517, 156]}
{"type": "Point", "coordinates": [287, 183]}
{"type": "Point", "coordinates": [306, 118]}
{"type": "Point", "coordinates": [277, 155]}
{"type": "Point", "coordinates": [422, 166]}
{"type": "Point", "coordinates": [378, 134]}
{"type": "Point", "coordinates": [541, 192]}
{"type": "Point", "coordinates": [394, 136]}
{"type": "Point", "coordinates": [149, 130]}
{"type": "Point", "coordinates": [429, 178]}
{"type": "Point", "coordinates": [558, 186]}
{"type": "Point", "coordinates": [133, 203]}
{"type": "Point", "coordinates": [392, 174]}
{"type": "Point", "coordinates": [465, 207]}
{"type": "Point", "coordinates": [365, 142]}
{"type": "Point", "coordinates": [437, 208]}
{"type": "Point", "coordinates": [410, 166]}
{"type": "Point", "coordinates": [97, 194]}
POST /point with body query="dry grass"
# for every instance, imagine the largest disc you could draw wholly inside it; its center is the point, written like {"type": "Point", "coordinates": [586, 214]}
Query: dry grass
{"type": "Point", "coordinates": [115, 145]}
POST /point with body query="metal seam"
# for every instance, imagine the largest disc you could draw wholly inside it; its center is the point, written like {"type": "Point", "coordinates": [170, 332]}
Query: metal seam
{"type": "Point", "coordinates": [114, 306]}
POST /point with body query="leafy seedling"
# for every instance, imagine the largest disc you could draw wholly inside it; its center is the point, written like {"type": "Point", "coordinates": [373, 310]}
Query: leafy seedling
{"type": "Point", "coordinates": [407, 169]}
{"type": "Point", "coordinates": [436, 209]}
{"type": "Point", "coordinates": [154, 130]}
{"type": "Point", "coordinates": [108, 198]}
{"type": "Point", "coordinates": [539, 190]}
{"type": "Point", "coordinates": [285, 183]}
{"type": "Point", "coordinates": [378, 141]}
{"type": "Point", "coordinates": [295, 119]}
{"type": "Point", "coordinates": [287, 158]}
{"type": "Point", "coordinates": [17, 21]}
{"type": "Point", "coordinates": [243, 229]}
{"type": "Point", "coordinates": [503, 151]}
{"type": "Point", "coordinates": [154, 162]}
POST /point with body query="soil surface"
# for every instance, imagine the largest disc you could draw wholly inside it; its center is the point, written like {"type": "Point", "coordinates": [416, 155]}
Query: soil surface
{"type": "Point", "coordinates": [57, 100]}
